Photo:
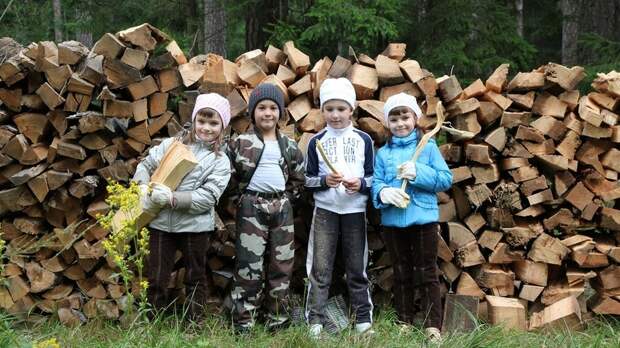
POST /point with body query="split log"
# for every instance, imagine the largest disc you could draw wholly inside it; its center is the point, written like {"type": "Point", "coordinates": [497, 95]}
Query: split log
{"type": "Point", "coordinates": [498, 79]}
{"type": "Point", "coordinates": [364, 79]}
{"type": "Point", "coordinates": [508, 312]}
{"type": "Point", "coordinates": [548, 249]}
{"type": "Point", "coordinates": [564, 314]}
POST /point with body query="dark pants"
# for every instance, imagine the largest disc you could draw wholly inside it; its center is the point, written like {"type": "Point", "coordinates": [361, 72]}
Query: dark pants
{"type": "Point", "coordinates": [264, 227]}
{"type": "Point", "coordinates": [163, 246]}
{"type": "Point", "coordinates": [413, 251]}
{"type": "Point", "coordinates": [327, 229]}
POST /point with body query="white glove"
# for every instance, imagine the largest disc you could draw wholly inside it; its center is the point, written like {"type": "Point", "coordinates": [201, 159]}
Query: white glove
{"type": "Point", "coordinates": [394, 196]}
{"type": "Point", "coordinates": [147, 203]}
{"type": "Point", "coordinates": [144, 189]}
{"type": "Point", "coordinates": [161, 195]}
{"type": "Point", "coordinates": [407, 171]}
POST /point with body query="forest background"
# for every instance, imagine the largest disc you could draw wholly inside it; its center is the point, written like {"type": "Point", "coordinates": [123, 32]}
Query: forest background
{"type": "Point", "coordinates": [467, 38]}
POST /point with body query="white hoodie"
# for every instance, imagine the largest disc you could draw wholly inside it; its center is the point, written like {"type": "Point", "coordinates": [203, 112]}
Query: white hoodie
{"type": "Point", "coordinates": [351, 152]}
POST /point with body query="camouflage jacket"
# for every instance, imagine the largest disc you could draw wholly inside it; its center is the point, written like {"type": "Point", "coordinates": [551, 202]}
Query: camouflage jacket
{"type": "Point", "coordinates": [245, 153]}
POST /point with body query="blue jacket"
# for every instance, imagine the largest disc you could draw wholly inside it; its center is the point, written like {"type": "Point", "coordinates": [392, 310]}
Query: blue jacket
{"type": "Point", "coordinates": [433, 175]}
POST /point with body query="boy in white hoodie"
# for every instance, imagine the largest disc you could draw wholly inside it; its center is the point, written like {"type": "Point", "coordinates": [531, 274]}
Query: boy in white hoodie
{"type": "Point", "coordinates": [340, 206]}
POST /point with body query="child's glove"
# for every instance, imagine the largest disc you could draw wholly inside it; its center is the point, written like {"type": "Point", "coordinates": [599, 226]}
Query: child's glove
{"type": "Point", "coordinates": [161, 195]}
{"type": "Point", "coordinates": [407, 171]}
{"type": "Point", "coordinates": [394, 196]}
{"type": "Point", "coordinates": [144, 190]}
{"type": "Point", "coordinates": [147, 203]}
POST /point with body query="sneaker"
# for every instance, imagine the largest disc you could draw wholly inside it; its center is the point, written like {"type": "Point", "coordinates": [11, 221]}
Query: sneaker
{"type": "Point", "coordinates": [364, 328]}
{"type": "Point", "coordinates": [404, 328]}
{"type": "Point", "coordinates": [242, 330]}
{"type": "Point", "coordinates": [433, 334]}
{"type": "Point", "coordinates": [315, 331]}
{"type": "Point", "coordinates": [275, 323]}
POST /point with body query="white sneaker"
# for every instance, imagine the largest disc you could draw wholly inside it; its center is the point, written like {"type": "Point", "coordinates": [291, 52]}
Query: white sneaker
{"type": "Point", "coordinates": [315, 330]}
{"type": "Point", "coordinates": [364, 328]}
{"type": "Point", "coordinates": [433, 334]}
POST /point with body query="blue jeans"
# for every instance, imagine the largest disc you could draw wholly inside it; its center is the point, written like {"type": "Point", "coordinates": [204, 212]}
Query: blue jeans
{"type": "Point", "coordinates": [327, 228]}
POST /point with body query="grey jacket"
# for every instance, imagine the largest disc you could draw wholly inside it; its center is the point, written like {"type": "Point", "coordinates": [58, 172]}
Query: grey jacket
{"type": "Point", "coordinates": [198, 193]}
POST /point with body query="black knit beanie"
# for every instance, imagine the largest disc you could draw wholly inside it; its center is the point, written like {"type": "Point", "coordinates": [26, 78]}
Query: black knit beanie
{"type": "Point", "coordinates": [266, 91]}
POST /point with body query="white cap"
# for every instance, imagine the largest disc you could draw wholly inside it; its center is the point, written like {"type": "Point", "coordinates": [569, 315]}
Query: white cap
{"type": "Point", "coordinates": [340, 89]}
{"type": "Point", "coordinates": [398, 100]}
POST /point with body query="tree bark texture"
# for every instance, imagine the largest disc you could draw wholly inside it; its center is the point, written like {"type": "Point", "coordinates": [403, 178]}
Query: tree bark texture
{"type": "Point", "coordinates": [56, 5]}
{"type": "Point", "coordinates": [214, 27]}
{"type": "Point", "coordinates": [570, 31]}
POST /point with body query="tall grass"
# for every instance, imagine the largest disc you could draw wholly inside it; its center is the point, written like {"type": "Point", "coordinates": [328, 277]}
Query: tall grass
{"type": "Point", "coordinates": [173, 331]}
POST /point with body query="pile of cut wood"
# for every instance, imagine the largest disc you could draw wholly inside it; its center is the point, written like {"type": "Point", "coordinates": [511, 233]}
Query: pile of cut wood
{"type": "Point", "coordinates": [530, 225]}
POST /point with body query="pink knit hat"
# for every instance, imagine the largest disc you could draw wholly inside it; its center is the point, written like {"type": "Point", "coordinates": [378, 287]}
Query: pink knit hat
{"type": "Point", "coordinates": [216, 102]}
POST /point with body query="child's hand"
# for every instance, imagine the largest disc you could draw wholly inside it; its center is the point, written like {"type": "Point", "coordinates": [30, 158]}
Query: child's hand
{"type": "Point", "coordinates": [145, 197]}
{"type": "Point", "coordinates": [352, 185]}
{"type": "Point", "coordinates": [333, 180]}
{"type": "Point", "coordinates": [395, 197]}
{"type": "Point", "coordinates": [162, 195]}
{"type": "Point", "coordinates": [407, 171]}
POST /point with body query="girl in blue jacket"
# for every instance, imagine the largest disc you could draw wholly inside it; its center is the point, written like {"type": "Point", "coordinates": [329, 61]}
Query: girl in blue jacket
{"type": "Point", "coordinates": [410, 219]}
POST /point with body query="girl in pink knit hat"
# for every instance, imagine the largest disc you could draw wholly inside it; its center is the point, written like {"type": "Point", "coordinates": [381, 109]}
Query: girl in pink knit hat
{"type": "Point", "coordinates": [185, 216]}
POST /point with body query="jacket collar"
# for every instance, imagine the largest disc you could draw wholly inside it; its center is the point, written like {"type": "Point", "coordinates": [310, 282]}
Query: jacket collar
{"type": "Point", "coordinates": [412, 138]}
{"type": "Point", "coordinates": [254, 130]}
{"type": "Point", "coordinates": [339, 131]}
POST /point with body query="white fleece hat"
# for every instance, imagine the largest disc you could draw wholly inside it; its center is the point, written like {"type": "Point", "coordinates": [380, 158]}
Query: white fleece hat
{"type": "Point", "coordinates": [398, 100]}
{"type": "Point", "coordinates": [340, 89]}
{"type": "Point", "coordinates": [216, 102]}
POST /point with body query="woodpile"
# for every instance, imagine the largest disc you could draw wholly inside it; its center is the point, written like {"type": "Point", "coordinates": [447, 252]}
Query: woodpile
{"type": "Point", "coordinates": [530, 228]}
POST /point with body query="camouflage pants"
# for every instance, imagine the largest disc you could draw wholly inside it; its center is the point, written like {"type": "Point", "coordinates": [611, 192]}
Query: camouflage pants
{"type": "Point", "coordinates": [264, 227]}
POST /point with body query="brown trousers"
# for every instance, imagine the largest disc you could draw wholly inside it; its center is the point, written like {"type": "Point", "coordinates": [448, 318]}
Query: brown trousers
{"type": "Point", "coordinates": [163, 246]}
{"type": "Point", "coordinates": [413, 251]}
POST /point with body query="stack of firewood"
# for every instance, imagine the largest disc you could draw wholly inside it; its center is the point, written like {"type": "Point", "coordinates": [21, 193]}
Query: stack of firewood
{"type": "Point", "coordinates": [73, 117]}
{"type": "Point", "coordinates": [531, 212]}
{"type": "Point", "coordinates": [530, 220]}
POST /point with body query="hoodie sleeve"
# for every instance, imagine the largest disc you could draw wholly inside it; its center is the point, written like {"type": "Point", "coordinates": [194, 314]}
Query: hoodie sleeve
{"type": "Point", "coordinates": [313, 181]}
{"type": "Point", "coordinates": [369, 158]}
{"type": "Point", "coordinates": [435, 176]}
{"type": "Point", "coordinates": [378, 181]}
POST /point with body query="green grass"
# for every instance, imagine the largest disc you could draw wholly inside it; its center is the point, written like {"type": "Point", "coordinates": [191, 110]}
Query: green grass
{"type": "Point", "coordinates": [215, 332]}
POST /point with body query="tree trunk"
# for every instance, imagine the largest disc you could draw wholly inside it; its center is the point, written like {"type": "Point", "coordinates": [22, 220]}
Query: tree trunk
{"type": "Point", "coordinates": [194, 27]}
{"type": "Point", "coordinates": [57, 20]}
{"type": "Point", "coordinates": [214, 27]}
{"type": "Point", "coordinates": [519, 8]}
{"type": "Point", "coordinates": [282, 9]}
{"type": "Point", "coordinates": [570, 31]}
{"type": "Point", "coordinates": [601, 18]}
{"type": "Point", "coordinates": [421, 11]}
{"type": "Point", "coordinates": [259, 15]}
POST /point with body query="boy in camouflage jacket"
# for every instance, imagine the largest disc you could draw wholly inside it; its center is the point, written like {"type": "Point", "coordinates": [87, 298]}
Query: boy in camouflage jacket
{"type": "Point", "coordinates": [267, 169]}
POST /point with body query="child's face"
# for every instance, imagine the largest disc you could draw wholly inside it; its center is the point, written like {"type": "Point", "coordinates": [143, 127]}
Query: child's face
{"type": "Point", "coordinates": [266, 115]}
{"type": "Point", "coordinates": [337, 113]}
{"type": "Point", "coordinates": [401, 121]}
{"type": "Point", "coordinates": [208, 126]}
